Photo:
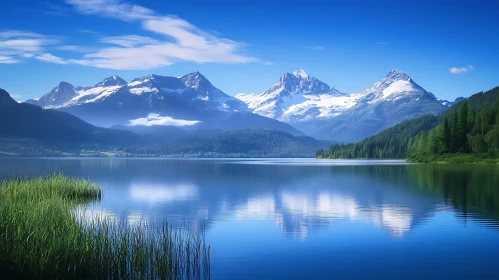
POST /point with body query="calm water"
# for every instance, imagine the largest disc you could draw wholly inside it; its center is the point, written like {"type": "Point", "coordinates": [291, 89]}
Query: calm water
{"type": "Point", "coordinates": [308, 219]}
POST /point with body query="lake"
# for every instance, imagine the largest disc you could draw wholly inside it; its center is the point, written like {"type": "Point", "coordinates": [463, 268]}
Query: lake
{"type": "Point", "coordinates": [308, 219]}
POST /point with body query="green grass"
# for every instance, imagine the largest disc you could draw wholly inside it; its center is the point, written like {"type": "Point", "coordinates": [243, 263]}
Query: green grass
{"type": "Point", "coordinates": [455, 159]}
{"type": "Point", "coordinates": [43, 234]}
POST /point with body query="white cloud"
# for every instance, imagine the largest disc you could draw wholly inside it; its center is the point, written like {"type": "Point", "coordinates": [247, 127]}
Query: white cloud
{"type": "Point", "coordinates": [181, 41]}
{"type": "Point", "coordinates": [46, 57]}
{"type": "Point", "coordinates": [456, 70]}
{"type": "Point", "coordinates": [268, 63]}
{"type": "Point", "coordinates": [318, 48]}
{"type": "Point", "coordinates": [87, 31]}
{"type": "Point", "coordinates": [382, 43]}
{"type": "Point", "coordinates": [8, 60]}
{"type": "Point", "coordinates": [16, 45]}
{"type": "Point", "coordinates": [155, 119]}
{"type": "Point", "coordinates": [112, 8]}
{"type": "Point", "coordinates": [129, 40]}
{"type": "Point", "coordinates": [21, 45]}
{"type": "Point", "coordinates": [73, 48]}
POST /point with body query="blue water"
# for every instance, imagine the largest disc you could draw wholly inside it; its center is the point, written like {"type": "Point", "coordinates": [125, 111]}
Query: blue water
{"type": "Point", "coordinates": [309, 219]}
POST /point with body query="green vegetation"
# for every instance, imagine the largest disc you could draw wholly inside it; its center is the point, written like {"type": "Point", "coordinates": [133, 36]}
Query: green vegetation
{"type": "Point", "coordinates": [213, 143]}
{"type": "Point", "coordinates": [389, 144]}
{"type": "Point", "coordinates": [467, 133]}
{"type": "Point", "coordinates": [458, 158]}
{"type": "Point", "coordinates": [236, 143]}
{"type": "Point", "coordinates": [44, 233]}
{"type": "Point", "coordinates": [469, 136]}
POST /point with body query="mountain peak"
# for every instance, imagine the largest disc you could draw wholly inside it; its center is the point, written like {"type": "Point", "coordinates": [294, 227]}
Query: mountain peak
{"type": "Point", "coordinates": [195, 76]}
{"type": "Point", "coordinates": [6, 99]}
{"type": "Point", "coordinates": [397, 75]}
{"type": "Point", "coordinates": [300, 73]}
{"type": "Point", "coordinates": [196, 80]}
{"type": "Point", "coordinates": [65, 85]}
{"type": "Point", "coordinates": [112, 81]}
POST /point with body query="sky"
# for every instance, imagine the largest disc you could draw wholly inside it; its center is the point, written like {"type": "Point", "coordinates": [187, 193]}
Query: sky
{"type": "Point", "coordinates": [450, 48]}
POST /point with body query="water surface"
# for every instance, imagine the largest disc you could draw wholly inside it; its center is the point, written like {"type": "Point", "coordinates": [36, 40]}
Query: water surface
{"type": "Point", "coordinates": [309, 219]}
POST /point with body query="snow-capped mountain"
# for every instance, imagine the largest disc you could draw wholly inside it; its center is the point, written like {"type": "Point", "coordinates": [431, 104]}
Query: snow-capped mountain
{"type": "Point", "coordinates": [192, 97]}
{"type": "Point", "coordinates": [292, 96]}
{"type": "Point", "coordinates": [59, 95]}
{"type": "Point", "coordinates": [194, 87]}
{"type": "Point", "coordinates": [112, 81]}
{"type": "Point", "coordinates": [331, 115]}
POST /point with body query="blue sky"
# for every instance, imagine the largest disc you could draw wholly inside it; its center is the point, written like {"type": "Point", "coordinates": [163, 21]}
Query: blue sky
{"type": "Point", "coordinates": [451, 48]}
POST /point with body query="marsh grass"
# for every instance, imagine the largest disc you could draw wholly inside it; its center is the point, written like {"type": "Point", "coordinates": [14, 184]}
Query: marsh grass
{"type": "Point", "coordinates": [43, 235]}
{"type": "Point", "coordinates": [456, 158]}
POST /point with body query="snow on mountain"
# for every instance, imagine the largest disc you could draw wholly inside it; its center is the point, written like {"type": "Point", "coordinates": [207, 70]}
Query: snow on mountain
{"type": "Point", "coordinates": [193, 87]}
{"type": "Point", "coordinates": [112, 81]}
{"type": "Point", "coordinates": [59, 95]}
{"type": "Point", "coordinates": [294, 94]}
{"type": "Point", "coordinates": [66, 95]}
{"type": "Point", "coordinates": [301, 73]}
{"type": "Point", "coordinates": [190, 97]}
{"type": "Point", "coordinates": [392, 100]}
{"type": "Point", "coordinates": [323, 112]}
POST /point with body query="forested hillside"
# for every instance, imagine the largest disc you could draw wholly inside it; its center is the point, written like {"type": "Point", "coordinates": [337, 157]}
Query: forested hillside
{"type": "Point", "coordinates": [26, 121]}
{"type": "Point", "coordinates": [391, 143]}
{"type": "Point", "coordinates": [235, 143]}
{"type": "Point", "coordinates": [464, 131]}
{"type": "Point", "coordinates": [470, 129]}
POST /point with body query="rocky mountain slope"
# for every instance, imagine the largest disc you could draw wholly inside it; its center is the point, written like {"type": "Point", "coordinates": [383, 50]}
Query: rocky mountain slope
{"type": "Point", "coordinates": [321, 111]}
{"type": "Point", "coordinates": [188, 99]}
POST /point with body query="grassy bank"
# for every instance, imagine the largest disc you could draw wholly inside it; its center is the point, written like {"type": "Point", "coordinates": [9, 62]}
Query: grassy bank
{"type": "Point", "coordinates": [43, 236]}
{"type": "Point", "coordinates": [455, 159]}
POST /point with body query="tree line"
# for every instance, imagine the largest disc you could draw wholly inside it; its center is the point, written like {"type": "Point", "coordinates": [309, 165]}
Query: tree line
{"type": "Point", "coordinates": [464, 130]}
{"type": "Point", "coordinates": [390, 143]}
{"type": "Point", "coordinates": [469, 127]}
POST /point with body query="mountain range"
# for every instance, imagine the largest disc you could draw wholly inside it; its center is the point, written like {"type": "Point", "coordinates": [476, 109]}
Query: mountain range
{"type": "Point", "coordinates": [190, 100]}
{"type": "Point", "coordinates": [321, 111]}
{"type": "Point", "coordinates": [298, 104]}
{"type": "Point", "coordinates": [28, 130]}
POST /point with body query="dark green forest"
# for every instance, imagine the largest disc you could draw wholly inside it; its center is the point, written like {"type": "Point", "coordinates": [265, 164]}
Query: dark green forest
{"type": "Point", "coordinates": [470, 130]}
{"type": "Point", "coordinates": [390, 143]}
{"type": "Point", "coordinates": [235, 143]}
{"type": "Point", "coordinates": [215, 143]}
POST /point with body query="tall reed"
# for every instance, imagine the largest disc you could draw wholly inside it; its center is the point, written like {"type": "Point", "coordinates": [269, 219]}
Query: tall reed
{"type": "Point", "coordinates": [43, 235]}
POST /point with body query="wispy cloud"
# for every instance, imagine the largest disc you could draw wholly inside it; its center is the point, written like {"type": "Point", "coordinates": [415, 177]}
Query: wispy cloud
{"type": "Point", "coordinates": [129, 40]}
{"type": "Point", "coordinates": [8, 60]}
{"type": "Point", "coordinates": [16, 45]}
{"type": "Point", "coordinates": [155, 119]}
{"type": "Point", "coordinates": [46, 57]}
{"type": "Point", "coordinates": [382, 43]}
{"type": "Point", "coordinates": [268, 63]}
{"type": "Point", "coordinates": [318, 48]}
{"type": "Point", "coordinates": [55, 9]}
{"type": "Point", "coordinates": [180, 40]}
{"type": "Point", "coordinates": [73, 48]}
{"type": "Point", "coordinates": [87, 31]}
{"type": "Point", "coordinates": [456, 70]}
